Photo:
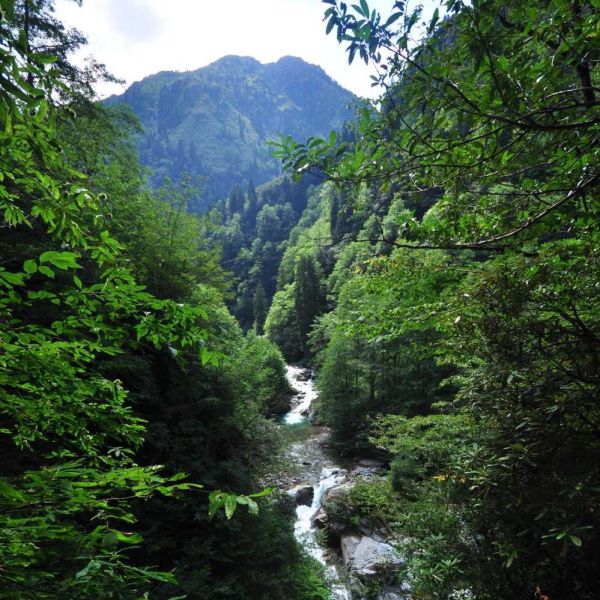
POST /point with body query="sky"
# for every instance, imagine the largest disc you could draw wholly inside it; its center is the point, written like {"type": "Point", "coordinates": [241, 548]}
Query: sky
{"type": "Point", "coordinates": [136, 38]}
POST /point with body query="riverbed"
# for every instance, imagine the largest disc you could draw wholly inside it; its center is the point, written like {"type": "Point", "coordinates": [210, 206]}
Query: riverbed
{"type": "Point", "coordinates": [315, 468]}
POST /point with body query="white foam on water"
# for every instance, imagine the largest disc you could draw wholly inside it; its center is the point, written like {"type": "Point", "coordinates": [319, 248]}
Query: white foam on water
{"type": "Point", "coordinates": [329, 478]}
{"type": "Point", "coordinates": [306, 393]}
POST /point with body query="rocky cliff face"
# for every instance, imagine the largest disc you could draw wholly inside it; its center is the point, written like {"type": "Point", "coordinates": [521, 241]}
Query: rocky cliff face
{"type": "Point", "coordinates": [215, 122]}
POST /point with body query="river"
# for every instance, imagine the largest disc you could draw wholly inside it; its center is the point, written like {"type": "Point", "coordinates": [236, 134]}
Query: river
{"type": "Point", "coordinates": [315, 468]}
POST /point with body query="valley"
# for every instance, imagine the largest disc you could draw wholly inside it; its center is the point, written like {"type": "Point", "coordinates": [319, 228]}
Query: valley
{"type": "Point", "coordinates": [261, 339]}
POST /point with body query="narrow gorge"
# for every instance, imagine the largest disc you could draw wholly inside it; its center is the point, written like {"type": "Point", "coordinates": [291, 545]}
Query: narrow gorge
{"type": "Point", "coordinates": [286, 330]}
{"type": "Point", "coordinates": [352, 557]}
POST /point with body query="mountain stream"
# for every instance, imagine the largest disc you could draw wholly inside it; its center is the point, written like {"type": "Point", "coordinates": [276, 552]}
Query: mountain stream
{"type": "Point", "coordinates": [308, 450]}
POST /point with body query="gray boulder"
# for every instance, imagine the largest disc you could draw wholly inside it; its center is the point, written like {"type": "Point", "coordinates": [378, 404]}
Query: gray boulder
{"type": "Point", "coordinates": [337, 492]}
{"type": "Point", "coordinates": [366, 527]}
{"type": "Point", "coordinates": [333, 496]}
{"type": "Point", "coordinates": [371, 463]}
{"type": "Point", "coordinates": [366, 556]}
{"type": "Point", "coordinates": [304, 375]}
{"type": "Point", "coordinates": [320, 519]}
{"type": "Point", "coordinates": [392, 593]}
{"type": "Point", "coordinates": [303, 494]}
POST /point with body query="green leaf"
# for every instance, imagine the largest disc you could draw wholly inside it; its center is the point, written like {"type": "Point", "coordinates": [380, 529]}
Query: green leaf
{"type": "Point", "coordinates": [208, 357]}
{"type": "Point", "coordinates": [230, 505]}
{"type": "Point", "coordinates": [10, 279]}
{"type": "Point", "coordinates": [47, 271]}
{"type": "Point", "coordinates": [503, 62]}
{"type": "Point", "coordinates": [393, 18]}
{"type": "Point", "coordinates": [44, 59]}
{"type": "Point", "coordinates": [29, 266]}
{"type": "Point", "coordinates": [10, 492]}
{"type": "Point", "coordinates": [205, 356]}
{"type": "Point", "coordinates": [330, 25]}
{"type": "Point", "coordinates": [433, 22]}
{"type": "Point", "coordinates": [252, 506]}
{"type": "Point", "coordinates": [216, 499]}
{"type": "Point", "coordinates": [91, 566]}
{"type": "Point", "coordinates": [128, 538]}
{"type": "Point", "coordinates": [266, 492]}
{"type": "Point", "coordinates": [61, 260]}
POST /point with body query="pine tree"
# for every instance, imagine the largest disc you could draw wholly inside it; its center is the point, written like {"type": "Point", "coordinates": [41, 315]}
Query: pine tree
{"type": "Point", "coordinates": [236, 200]}
{"type": "Point", "coordinates": [260, 308]}
{"type": "Point", "coordinates": [251, 210]}
{"type": "Point", "coordinates": [334, 216]}
{"type": "Point", "coordinates": [306, 299]}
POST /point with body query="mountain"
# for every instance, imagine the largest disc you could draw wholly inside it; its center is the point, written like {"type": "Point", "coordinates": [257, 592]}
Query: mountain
{"type": "Point", "coordinates": [215, 121]}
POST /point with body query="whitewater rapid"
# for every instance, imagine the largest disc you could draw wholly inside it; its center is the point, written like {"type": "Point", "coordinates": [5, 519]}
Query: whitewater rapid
{"type": "Point", "coordinates": [330, 476]}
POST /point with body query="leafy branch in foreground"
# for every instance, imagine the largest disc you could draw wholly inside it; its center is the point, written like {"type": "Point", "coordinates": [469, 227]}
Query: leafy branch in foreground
{"type": "Point", "coordinates": [68, 302]}
{"type": "Point", "coordinates": [229, 502]}
{"type": "Point", "coordinates": [495, 108]}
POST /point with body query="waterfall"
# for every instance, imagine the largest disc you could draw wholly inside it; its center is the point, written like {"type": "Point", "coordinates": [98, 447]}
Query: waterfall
{"type": "Point", "coordinates": [306, 394]}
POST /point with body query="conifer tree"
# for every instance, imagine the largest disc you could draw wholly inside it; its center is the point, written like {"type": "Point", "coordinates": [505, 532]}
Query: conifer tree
{"type": "Point", "coordinates": [250, 210]}
{"type": "Point", "coordinates": [306, 297]}
{"type": "Point", "coordinates": [260, 308]}
{"type": "Point", "coordinates": [236, 200]}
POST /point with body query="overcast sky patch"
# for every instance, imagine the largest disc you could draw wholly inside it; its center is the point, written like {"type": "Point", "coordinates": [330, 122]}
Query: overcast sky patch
{"type": "Point", "coordinates": [136, 38]}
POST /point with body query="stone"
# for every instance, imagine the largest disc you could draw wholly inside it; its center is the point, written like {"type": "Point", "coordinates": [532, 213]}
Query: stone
{"type": "Point", "coordinates": [366, 472]}
{"type": "Point", "coordinates": [320, 519]}
{"type": "Point", "coordinates": [304, 375]}
{"type": "Point", "coordinates": [391, 593]}
{"type": "Point", "coordinates": [314, 416]}
{"type": "Point", "coordinates": [334, 493]}
{"type": "Point", "coordinates": [365, 526]}
{"type": "Point", "coordinates": [379, 536]}
{"type": "Point", "coordinates": [366, 557]}
{"type": "Point", "coordinates": [303, 494]}
{"type": "Point", "coordinates": [371, 463]}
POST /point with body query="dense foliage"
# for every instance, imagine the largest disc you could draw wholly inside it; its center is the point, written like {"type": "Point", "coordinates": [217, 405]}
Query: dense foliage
{"type": "Point", "coordinates": [69, 435]}
{"type": "Point", "coordinates": [253, 230]}
{"type": "Point", "coordinates": [129, 397]}
{"type": "Point", "coordinates": [443, 282]}
{"type": "Point", "coordinates": [462, 337]}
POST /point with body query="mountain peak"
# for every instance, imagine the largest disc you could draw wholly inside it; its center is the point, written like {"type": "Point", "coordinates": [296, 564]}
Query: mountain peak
{"type": "Point", "coordinates": [234, 59]}
{"type": "Point", "coordinates": [295, 63]}
{"type": "Point", "coordinates": [214, 122]}
{"type": "Point", "coordinates": [288, 59]}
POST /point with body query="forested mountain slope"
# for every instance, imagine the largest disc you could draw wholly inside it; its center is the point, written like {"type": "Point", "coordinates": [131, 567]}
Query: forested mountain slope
{"type": "Point", "coordinates": [442, 284]}
{"type": "Point", "coordinates": [445, 286]}
{"type": "Point", "coordinates": [215, 121]}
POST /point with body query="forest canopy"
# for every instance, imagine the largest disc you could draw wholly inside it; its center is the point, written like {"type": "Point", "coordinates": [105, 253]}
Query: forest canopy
{"type": "Point", "coordinates": [435, 263]}
{"type": "Point", "coordinates": [462, 337]}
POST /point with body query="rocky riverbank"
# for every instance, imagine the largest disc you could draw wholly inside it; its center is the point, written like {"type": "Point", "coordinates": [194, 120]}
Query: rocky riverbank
{"type": "Point", "coordinates": [360, 557]}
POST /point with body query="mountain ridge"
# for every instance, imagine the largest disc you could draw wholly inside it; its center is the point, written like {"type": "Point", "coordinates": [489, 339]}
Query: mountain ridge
{"type": "Point", "coordinates": [215, 121]}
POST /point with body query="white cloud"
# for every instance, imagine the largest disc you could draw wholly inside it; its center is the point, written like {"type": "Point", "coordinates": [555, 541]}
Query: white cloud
{"type": "Point", "coordinates": [136, 38]}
